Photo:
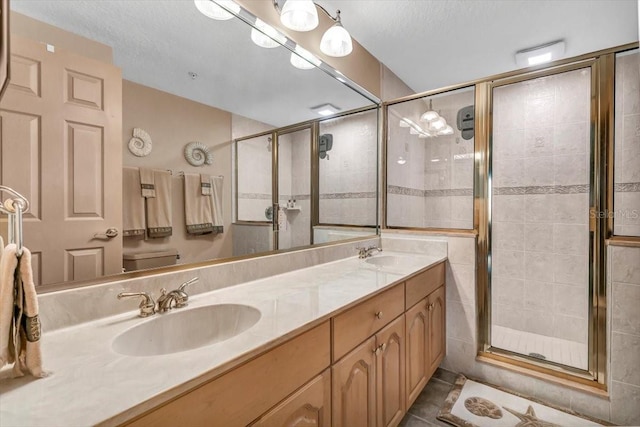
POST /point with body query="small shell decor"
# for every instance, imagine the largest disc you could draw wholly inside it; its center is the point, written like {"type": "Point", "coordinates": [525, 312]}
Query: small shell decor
{"type": "Point", "coordinates": [140, 145]}
{"type": "Point", "coordinates": [197, 154]}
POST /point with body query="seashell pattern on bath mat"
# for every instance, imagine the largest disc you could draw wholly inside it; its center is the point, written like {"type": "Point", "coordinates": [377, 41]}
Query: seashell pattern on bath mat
{"type": "Point", "coordinates": [197, 154]}
{"type": "Point", "coordinates": [140, 145]}
{"type": "Point", "coordinates": [483, 408]}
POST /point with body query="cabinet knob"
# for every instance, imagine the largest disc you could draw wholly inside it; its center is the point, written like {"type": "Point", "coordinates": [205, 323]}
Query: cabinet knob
{"type": "Point", "coordinates": [379, 349]}
{"type": "Point", "coordinates": [379, 315]}
{"type": "Point", "coordinates": [430, 306]}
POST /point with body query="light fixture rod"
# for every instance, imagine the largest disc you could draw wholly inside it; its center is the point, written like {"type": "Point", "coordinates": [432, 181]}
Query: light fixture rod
{"type": "Point", "coordinates": [278, 9]}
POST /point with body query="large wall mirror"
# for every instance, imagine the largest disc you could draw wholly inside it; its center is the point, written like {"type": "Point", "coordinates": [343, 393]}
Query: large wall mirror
{"type": "Point", "coordinates": [109, 97]}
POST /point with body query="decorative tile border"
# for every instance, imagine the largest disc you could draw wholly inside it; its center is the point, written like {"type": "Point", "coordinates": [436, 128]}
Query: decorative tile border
{"type": "Point", "coordinates": [254, 196]}
{"type": "Point", "coordinates": [361, 195]}
{"type": "Point", "coordinates": [627, 187]}
{"type": "Point", "coordinates": [407, 191]}
{"type": "Point", "coordinates": [541, 189]}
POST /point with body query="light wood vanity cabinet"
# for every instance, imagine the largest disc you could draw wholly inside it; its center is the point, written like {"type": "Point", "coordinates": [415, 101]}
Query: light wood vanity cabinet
{"type": "Point", "coordinates": [426, 332]}
{"type": "Point", "coordinates": [368, 383]}
{"type": "Point", "coordinates": [308, 407]}
{"type": "Point", "coordinates": [363, 368]}
{"type": "Point", "coordinates": [243, 394]}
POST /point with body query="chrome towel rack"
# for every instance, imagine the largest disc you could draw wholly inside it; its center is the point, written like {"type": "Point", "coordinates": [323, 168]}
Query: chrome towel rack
{"type": "Point", "coordinates": [14, 207]}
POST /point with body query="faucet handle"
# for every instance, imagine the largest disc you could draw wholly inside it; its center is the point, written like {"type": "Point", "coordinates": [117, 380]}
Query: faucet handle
{"type": "Point", "coordinates": [181, 296]}
{"type": "Point", "coordinates": [147, 305]}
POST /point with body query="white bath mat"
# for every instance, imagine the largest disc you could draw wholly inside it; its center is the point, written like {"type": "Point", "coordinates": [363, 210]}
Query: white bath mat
{"type": "Point", "coordinates": [473, 404]}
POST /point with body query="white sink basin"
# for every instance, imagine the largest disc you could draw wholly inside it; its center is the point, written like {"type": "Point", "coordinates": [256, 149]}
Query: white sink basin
{"type": "Point", "coordinates": [186, 330]}
{"type": "Point", "coordinates": [391, 261]}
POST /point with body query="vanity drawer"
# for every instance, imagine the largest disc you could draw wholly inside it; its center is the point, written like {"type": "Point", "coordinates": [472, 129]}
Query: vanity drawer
{"type": "Point", "coordinates": [423, 284]}
{"type": "Point", "coordinates": [360, 322]}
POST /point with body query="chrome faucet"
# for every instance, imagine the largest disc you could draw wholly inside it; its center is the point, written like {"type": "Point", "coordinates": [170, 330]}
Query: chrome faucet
{"type": "Point", "coordinates": [367, 252]}
{"type": "Point", "coordinates": [175, 299]}
{"type": "Point", "coordinates": [147, 305]}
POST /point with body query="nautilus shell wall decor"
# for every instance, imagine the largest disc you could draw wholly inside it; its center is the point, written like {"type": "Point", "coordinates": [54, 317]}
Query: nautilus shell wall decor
{"type": "Point", "coordinates": [140, 145]}
{"type": "Point", "coordinates": [197, 154]}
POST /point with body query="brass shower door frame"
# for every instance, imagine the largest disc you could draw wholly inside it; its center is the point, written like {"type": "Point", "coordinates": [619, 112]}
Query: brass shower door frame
{"type": "Point", "coordinates": [595, 376]}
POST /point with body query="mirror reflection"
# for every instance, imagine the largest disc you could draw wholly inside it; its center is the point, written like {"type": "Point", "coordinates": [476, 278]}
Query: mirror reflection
{"type": "Point", "coordinates": [430, 152]}
{"type": "Point", "coordinates": [108, 95]}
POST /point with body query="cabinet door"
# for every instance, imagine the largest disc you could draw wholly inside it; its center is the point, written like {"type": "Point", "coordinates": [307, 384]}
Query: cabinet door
{"type": "Point", "coordinates": [308, 407]}
{"type": "Point", "coordinates": [417, 350]}
{"type": "Point", "coordinates": [354, 387]}
{"type": "Point", "coordinates": [437, 331]}
{"type": "Point", "coordinates": [390, 374]}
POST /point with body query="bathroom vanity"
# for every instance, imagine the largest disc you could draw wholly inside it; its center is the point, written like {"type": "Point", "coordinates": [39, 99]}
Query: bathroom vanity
{"type": "Point", "coordinates": [345, 343]}
{"type": "Point", "coordinates": [365, 365]}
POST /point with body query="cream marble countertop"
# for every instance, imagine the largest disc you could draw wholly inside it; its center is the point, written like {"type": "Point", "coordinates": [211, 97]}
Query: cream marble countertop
{"type": "Point", "coordinates": [92, 384]}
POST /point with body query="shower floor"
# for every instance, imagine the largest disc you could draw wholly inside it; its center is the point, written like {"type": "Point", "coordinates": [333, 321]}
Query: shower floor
{"type": "Point", "coordinates": [556, 350]}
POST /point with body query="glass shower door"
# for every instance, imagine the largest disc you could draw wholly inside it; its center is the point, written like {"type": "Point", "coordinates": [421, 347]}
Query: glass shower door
{"type": "Point", "coordinates": [254, 196]}
{"type": "Point", "coordinates": [540, 241]}
{"type": "Point", "coordinates": [294, 189]}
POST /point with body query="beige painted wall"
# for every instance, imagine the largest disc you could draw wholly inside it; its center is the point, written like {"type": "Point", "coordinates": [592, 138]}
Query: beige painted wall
{"type": "Point", "coordinates": [24, 26]}
{"type": "Point", "coordinates": [172, 122]}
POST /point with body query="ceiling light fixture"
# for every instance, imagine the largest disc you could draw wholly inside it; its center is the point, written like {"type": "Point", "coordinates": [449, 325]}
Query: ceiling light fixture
{"type": "Point", "coordinates": [436, 124]}
{"type": "Point", "coordinates": [301, 15]}
{"type": "Point", "coordinates": [325, 110]}
{"type": "Point", "coordinates": [336, 41]}
{"type": "Point", "coordinates": [264, 35]}
{"type": "Point", "coordinates": [220, 10]}
{"type": "Point", "coordinates": [540, 54]}
{"type": "Point", "coordinates": [302, 59]}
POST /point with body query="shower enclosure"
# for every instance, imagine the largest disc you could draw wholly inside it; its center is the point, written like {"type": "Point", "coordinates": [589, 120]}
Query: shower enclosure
{"type": "Point", "coordinates": [541, 246]}
{"type": "Point", "coordinates": [277, 205]}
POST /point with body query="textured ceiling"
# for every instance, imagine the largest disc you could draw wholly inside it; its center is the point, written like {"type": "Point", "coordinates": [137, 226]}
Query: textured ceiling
{"type": "Point", "coordinates": [427, 43]}
{"type": "Point", "coordinates": [434, 43]}
{"type": "Point", "coordinates": [157, 43]}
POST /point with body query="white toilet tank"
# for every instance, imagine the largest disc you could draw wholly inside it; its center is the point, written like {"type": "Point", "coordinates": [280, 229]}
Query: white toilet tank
{"type": "Point", "coordinates": [145, 260]}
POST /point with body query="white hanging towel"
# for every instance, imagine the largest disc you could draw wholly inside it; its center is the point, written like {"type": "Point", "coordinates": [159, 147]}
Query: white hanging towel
{"type": "Point", "coordinates": [20, 328]}
{"type": "Point", "coordinates": [216, 200]}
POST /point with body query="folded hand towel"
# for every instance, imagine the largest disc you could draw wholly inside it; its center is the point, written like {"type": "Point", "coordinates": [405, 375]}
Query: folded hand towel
{"type": "Point", "coordinates": [159, 207]}
{"type": "Point", "coordinates": [132, 204]}
{"type": "Point", "coordinates": [197, 208]}
{"type": "Point", "coordinates": [21, 345]}
{"type": "Point", "coordinates": [147, 182]}
{"type": "Point", "coordinates": [216, 199]}
{"type": "Point", "coordinates": [205, 183]}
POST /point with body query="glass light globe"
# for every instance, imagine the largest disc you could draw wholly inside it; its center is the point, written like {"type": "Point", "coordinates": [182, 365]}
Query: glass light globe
{"type": "Point", "coordinates": [299, 15]}
{"type": "Point", "coordinates": [438, 124]}
{"type": "Point", "coordinates": [429, 116]}
{"type": "Point", "coordinates": [336, 41]}
{"type": "Point", "coordinates": [214, 10]}
{"type": "Point", "coordinates": [448, 130]}
{"type": "Point", "coordinates": [303, 59]}
{"type": "Point", "coordinates": [264, 35]}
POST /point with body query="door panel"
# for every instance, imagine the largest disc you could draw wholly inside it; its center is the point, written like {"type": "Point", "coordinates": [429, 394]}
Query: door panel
{"type": "Point", "coordinates": [437, 331]}
{"type": "Point", "coordinates": [417, 327]}
{"type": "Point", "coordinates": [62, 116]}
{"type": "Point", "coordinates": [354, 388]}
{"type": "Point", "coordinates": [391, 373]}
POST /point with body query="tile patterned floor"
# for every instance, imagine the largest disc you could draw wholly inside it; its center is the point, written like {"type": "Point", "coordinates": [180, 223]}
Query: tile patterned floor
{"type": "Point", "coordinates": [425, 409]}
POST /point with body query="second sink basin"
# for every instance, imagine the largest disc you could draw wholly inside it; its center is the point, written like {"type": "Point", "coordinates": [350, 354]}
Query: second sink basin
{"type": "Point", "coordinates": [391, 261]}
{"type": "Point", "coordinates": [186, 330]}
